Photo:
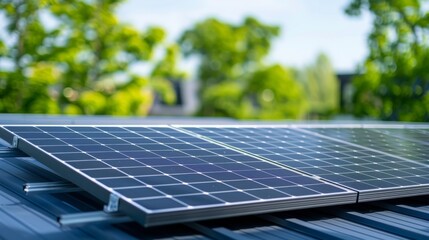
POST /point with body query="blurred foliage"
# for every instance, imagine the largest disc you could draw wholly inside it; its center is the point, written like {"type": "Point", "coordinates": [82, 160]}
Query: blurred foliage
{"type": "Point", "coordinates": [275, 94]}
{"type": "Point", "coordinates": [74, 57]}
{"type": "Point", "coordinates": [395, 80]}
{"type": "Point", "coordinates": [321, 87]}
{"type": "Point", "coordinates": [78, 63]}
{"type": "Point", "coordinates": [233, 79]}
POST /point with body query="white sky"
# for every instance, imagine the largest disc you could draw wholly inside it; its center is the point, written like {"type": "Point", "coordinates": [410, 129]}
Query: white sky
{"type": "Point", "coordinates": [308, 26]}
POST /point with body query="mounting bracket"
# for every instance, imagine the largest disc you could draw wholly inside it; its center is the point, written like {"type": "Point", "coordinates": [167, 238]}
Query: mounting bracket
{"type": "Point", "coordinates": [113, 204]}
{"type": "Point", "coordinates": [15, 141]}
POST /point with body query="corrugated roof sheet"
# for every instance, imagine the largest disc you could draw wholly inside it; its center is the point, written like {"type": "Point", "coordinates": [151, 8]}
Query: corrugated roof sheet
{"type": "Point", "coordinates": [34, 217]}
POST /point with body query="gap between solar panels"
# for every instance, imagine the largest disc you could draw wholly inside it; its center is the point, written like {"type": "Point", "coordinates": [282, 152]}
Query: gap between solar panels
{"type": "Point", "coordinates": [160, 175]}
{"type": "Point", "coordinates": [373, 160]}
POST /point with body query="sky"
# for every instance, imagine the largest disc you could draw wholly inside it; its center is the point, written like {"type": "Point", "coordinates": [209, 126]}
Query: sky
{"type": "Point", "coordinates": [308, 27]}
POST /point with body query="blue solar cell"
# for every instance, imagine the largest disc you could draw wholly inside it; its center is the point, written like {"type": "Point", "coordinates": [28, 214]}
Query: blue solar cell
{"type": "Point", "coordinates": [267, 193]}
{"type": "Point", "coordinates": [186, 160]}
{"type": "Point", "coordinates": [139, 192]}
{"type": "Point", "coordinates": [92, 148]}
{"type": "Point", "coordinates": [322, 188]}
{"type": "Point", "coordinates": [259, 165]}
{"type": "Point", "coordinates": [88, 164]}
{"type": "Point", "coordinates": [237, 166]}
{"type": "Point", "coordinates": [52, 129]}
{"type": "Point", "coordinates": [199, 200]}
{"type": "Point", "coordinates": [244, 184]}
{"type": "Point", "coordinates": [193, 178]}
{"type": "Point", "coordinates": [113, 140]}
{"type": "Point", "coordinates": [158, 180]}
{"type": "Point", "coordinates": [140, 154]}
{"type": "Point", "coordinates": [254, 174]}
{"type": "Point", "coordinates": [87, 129]}
{"type": "Point", "coordinates": [173, 169]}
{"type": "Point", "coordinates": [296, 191]}
{"type": "Point", "coordinates": [123, 163]}
{"type": "Point", "coordinates": [160, 203]}
{"type": "Point", "coordinates": [66, 135]}
{"type": "Point", "coordinates": [219, 159]}
{"type": "Point", "coordinates": [49, 142]}
{"type": "Point", "coordinates": [140, 171]}
{"type": "Point", "coordinates": [103, 173]}
{"type": "Point", "coordinates": [60, 149]}
{"type": "Point", "coordinates": [108, 155]}
{"type": "Point", "coordinates": [35, 135]}
{"type": "Point", "coordinates": [231, 197]}
{"type": "Point", "coordinates": [179, 189]}
{"type": "Point", "coordinates": [24, 129]}
{"type": "Point", "coordinates": [78, 141]}
{"type": "Point", "coordinates": [125, 134]}
{"type": "Point", "coordinates": [212, 187]}
{"type": "Point", "coordinates": [156, 162]}
{"type": "Point", "coordinates": [206, 168]}
{"type": "Point", "coordinates": [73, 156]}
{"type": "Point", "coordinates": [120, 182]}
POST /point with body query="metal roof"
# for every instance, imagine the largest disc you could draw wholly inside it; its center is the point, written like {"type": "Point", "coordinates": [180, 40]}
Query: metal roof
{"type": "Point", "coordinates": [34, 216]}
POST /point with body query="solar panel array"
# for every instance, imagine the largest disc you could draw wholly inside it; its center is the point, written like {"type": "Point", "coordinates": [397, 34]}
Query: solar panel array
{"type": "Point", "coordinates": [372, 173]}
{"type": "Point", "coordinates": [160, 170]}
{"type": "Point", "coordinates": [165, 174]}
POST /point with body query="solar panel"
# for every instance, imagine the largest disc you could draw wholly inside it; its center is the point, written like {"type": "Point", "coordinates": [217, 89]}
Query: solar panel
{"type": "Point", "coordinates": [374, 174]}
{"type": "Point", "coordinates": [420, 136]}
{"type": "Point", "coordinates": [411, 144]}
{"type": "Point", "coordinates": [161, 175]}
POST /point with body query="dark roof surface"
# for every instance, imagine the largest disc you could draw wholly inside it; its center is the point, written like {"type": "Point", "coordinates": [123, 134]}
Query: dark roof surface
{"type": "Point", "coordinates": [34, 216]}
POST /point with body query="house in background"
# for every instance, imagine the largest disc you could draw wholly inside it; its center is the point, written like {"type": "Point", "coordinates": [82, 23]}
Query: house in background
{"type": "Point", "coordinates": [186, 103]}
{"type": "Point", "coordinates": [346, 91]}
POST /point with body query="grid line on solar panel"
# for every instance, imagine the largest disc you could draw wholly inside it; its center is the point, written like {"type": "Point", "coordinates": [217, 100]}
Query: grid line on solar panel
{"type": "Point", "coordinates": [350, 165]}
{"type": "Point", "coordinates": [379, 141]}
{"type": "Point", "coordinates": [170, 167]}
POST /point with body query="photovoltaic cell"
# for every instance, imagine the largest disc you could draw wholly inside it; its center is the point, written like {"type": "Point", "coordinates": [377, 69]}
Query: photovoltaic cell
{"type": "Point", "coordinates": [163, 175]}
{"type": "Point", "coordinates": [373, 174]}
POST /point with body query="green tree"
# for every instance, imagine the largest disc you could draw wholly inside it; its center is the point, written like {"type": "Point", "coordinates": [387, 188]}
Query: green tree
{"type": "Point", "coordinates": [321, 88]}
{"type": "Point", "coordinates": [231, 69]}
{"type": "Point", "coordinates": [275, 94]}
{"type": "Point", "coordinates": [27, 79]}
{"type": "Point", "coordinates": [79, 64]}
{"type": "Point", "coordinates": [394, 84]}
